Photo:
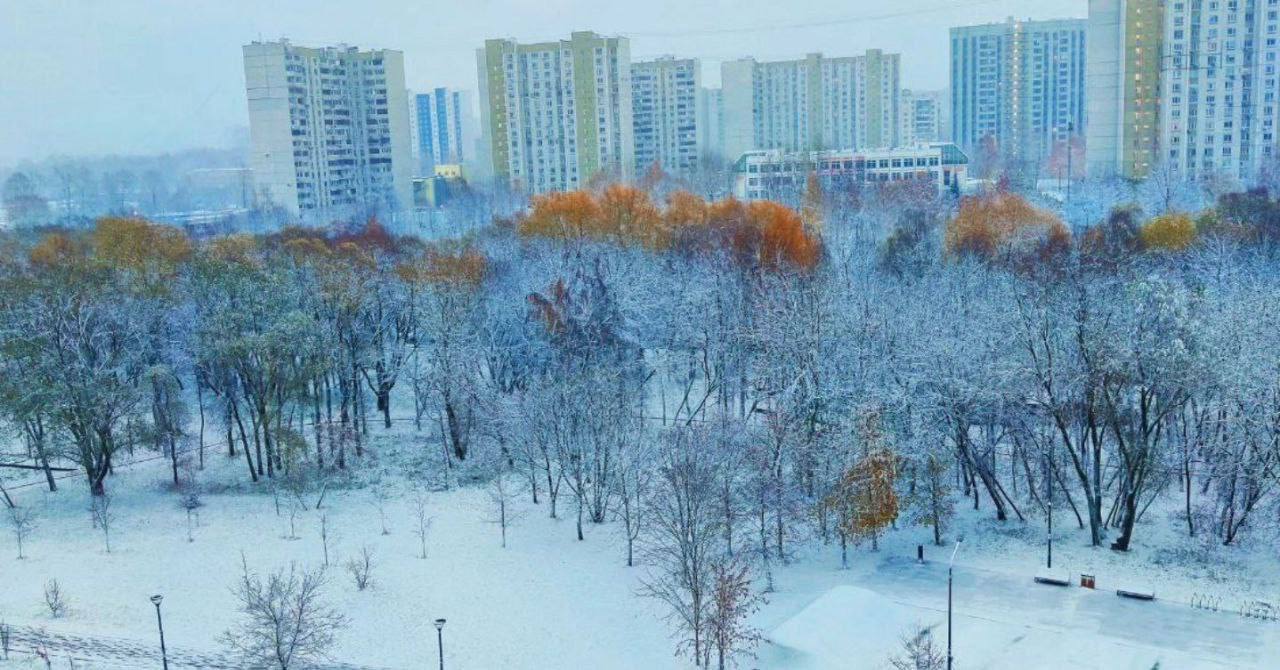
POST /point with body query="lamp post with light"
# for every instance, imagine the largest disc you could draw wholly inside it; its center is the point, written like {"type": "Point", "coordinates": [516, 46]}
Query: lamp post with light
{"type": "Point", "coordinates": [164, 655]}
{"type": "Point", "coordinates": [440, 640]}
{"type": "Point", "coordinates": [950, 574]}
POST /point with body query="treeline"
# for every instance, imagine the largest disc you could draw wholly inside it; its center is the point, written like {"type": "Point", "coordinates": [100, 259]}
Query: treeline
{"type": "Point", "coordinates": [724, 379]}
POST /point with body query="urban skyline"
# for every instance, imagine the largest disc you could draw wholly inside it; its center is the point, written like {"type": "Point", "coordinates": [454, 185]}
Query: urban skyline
{"type": "Point", "coordinates": [139, 97]}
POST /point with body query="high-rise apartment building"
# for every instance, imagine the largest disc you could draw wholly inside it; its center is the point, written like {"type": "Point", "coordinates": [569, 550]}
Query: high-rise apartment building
{"type": "Point", "coordinates": [1019, 84]}
{"type": "Point", "coordinates": [815, 103]}
{"type": "Point", "coordinates": [1219, 110]}
{"type": "Point", "coordinates": [924, 117]}
{"type": "Point", "coordinates": [711, 123]}
{"type": "Point", "coordinates": [666, 104]}
{"type": "Point", "coordinates": [329, 128]}
{"type": "Point", "coordinates": [442, 128]}
{"type": "Point", "coordinates": [554, 114]}
{"type": "Point", "coordinates": [1124, 75]}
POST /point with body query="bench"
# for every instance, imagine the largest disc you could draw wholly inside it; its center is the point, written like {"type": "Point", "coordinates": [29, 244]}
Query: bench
{"type": "Point", "coordinates": [1053, 580]}
{"type": "Point", "coordinates": [1136, 595]}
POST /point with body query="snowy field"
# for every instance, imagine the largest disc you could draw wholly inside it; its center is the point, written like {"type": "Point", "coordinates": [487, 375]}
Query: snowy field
{"type": "Point", "coordinates": [549, 601]}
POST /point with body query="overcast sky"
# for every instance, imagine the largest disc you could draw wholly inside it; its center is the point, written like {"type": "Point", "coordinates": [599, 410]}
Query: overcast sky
{"type": "Point", "coordinates": [145, 76]}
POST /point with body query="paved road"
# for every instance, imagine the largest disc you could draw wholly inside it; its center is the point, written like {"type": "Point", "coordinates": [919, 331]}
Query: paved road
{"type": "Point", "coordinates": [107, 652]}
{"type": "Point", "coordinates": [1218, 638]}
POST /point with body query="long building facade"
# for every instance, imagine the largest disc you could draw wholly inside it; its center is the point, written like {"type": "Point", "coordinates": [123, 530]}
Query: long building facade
{"type": "Point", "coordinates": [329, 128]}
{"type": "Point", "coordinates": [781, 175]}
{"type": "Point", "coordinates": [555, 114]}
{"type": "Point", "coordinates": [815, 103]}
{"type": "Point", "coordinates": [1019, 85]}
{"type": "Point", "coordinates": [667, 110]}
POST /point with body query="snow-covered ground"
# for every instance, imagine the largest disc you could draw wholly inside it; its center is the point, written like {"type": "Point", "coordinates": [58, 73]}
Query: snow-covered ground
{"type": "Point", "coordinates": [549, 601]}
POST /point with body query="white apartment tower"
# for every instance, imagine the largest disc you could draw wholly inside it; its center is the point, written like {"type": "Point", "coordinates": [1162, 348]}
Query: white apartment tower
{"type": "Point", "coordinates": [1219, 110]}
{"type": "Point", "coordinates": [555, 114]}
{"type": "Point", "coordinates": [924, 117]}
{"type": "Point", "coordinates": [711, 123]}
{"type": "Point", "coordinates": [329, 128]}
{"type": "Point", "coordinates": [1019, 84]}
{"type": "Point", "coordinates": [811, 104]}
{"type": "Point", "coordinates": [666, 103]}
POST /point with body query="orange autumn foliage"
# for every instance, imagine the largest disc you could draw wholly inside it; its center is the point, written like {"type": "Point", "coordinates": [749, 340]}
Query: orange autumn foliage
{"type": "Point", "coordinates": [763, 234]}
{"type": "Point", "coordinates": [1003, 227]}
{"type": "Point", "coordinates": [629, 213]}
{"type": "Point", "coordinates": [446, 265]}
{"type": "Point", "coordinates": [568, 215]}
{"type": "Point", "coordinates": [784, 238]}
{"type": "Point", "coordinates": [56, 250]}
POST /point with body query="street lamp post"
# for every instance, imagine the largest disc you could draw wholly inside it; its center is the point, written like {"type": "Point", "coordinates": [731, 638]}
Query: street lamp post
{"type": "Point", "coordinates": [164, 655]}
{"type": "Point", "coordinates": [1049, 479]}
{"type": "Point", "coordinates": [950, 575]}
{"type": "Point", "coordinates": [440, 640]}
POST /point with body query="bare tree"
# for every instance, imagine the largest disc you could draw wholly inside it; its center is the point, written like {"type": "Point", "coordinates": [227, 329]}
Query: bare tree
{"type": "Point", "coordinates": [919, 652]}
{"type": "Point", "coordinates": [285, 621]}
{"type": "Point", "coordinates": [732, 604]}
{"type": "Point", "coordinates": [635, 485]}
{"type": "Point", "coordinates": [103, 516]}
{"type": "Point", "coordinates": [324, 537]}
{"type": "Point", "coordinates": [423, 520]}
{"type": "Point", "coordinates": [381, 496]}
{"type": "Point", "coordinates": [502, 510]}
{"type": "Point", "coordinates": [22, 523]}
{"type": "Point", "coordinates": [361, 568]}
{"type": "Point", "coordinates": [55, 599]}
{"type": "Point", "coordinates": [681, 540]}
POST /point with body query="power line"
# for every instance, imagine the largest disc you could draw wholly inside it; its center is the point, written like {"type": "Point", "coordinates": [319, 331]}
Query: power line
{"type": "Point", "coordinates": [814, 23]}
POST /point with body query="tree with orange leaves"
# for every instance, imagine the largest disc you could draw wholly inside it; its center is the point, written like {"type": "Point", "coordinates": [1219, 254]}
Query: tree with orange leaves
{"type": "Point", "coordinates": [568, 215]}
{"type": "Point", "coordinates": [628, 213]}
{"type": "Point", "coordinates": [864, 500]}
{"type": "Point", "coordinates": [784, 240]}
{"type": "Point", "coordinates": [1003, 227]}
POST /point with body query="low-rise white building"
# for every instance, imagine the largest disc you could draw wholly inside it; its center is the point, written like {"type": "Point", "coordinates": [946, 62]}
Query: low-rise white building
{"type": "Point", "coordinates": [779, 175]}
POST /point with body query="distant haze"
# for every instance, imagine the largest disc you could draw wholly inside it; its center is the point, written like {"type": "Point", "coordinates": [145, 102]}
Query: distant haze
{"type": "Point", "coordinates": [90, 77]}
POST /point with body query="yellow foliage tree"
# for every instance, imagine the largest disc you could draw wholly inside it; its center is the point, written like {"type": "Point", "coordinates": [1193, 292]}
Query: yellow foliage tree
{"type": "Point", "coordinates": [1168, 233]}
{"type": "Point", "coordinates": [864, 499]}
{"type": "Point", "coordinates": [151, 250]}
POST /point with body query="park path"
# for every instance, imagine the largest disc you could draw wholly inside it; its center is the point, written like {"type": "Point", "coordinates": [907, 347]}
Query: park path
{"type": "Point", "coordinates": [108, 652]}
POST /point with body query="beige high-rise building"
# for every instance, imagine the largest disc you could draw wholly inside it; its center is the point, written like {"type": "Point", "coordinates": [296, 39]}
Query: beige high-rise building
{"type": "Point", "coordinates": [554, 114]}
{"type": "Point", "coordinates": [329, 128]}
{"type": "Point", "coordinates": [1124, 87]}
{"type": "Point", "coordinates": [815, 103]}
